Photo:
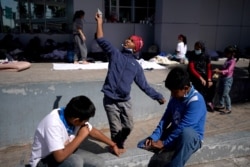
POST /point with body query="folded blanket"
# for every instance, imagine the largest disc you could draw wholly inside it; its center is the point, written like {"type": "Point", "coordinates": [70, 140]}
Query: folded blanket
{"type": "Point", "coordinates": [104, 65]}
{"type": "Point", "coordinates": [71, 66]}
{"type": "Point", "coordinates": [14, 66]}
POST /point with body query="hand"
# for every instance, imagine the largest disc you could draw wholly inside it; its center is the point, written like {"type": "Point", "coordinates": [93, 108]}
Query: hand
{"type": "Point", "coordinates": [83, 131]}
{"type": "Point", "coordinates": [116, 150]}
{"type": "Point", "coordinates": [210, 83]}
{"type": "Point", "coordinates": [158, 144]}
{"type": "Point", "coordinates": [98, 18]}
{"type": "Point", "coordinates": [161, 101]}
{"type": "Point", "coordinates": [217, 71]}
{"type": "Point", "coordinates": [203, 81]}
{"type": "Point", "coordinates": [148, 143]}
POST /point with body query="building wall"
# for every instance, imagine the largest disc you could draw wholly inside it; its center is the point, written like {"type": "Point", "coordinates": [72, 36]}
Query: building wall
{"type": "Point", "coordinates": [216, 22]}
{"type": "Point", "coordinates": [116, 33]}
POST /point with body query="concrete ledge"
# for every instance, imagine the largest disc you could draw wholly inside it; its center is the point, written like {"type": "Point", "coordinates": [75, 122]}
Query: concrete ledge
{"type": "Point", "coordinates": [223, 146]}
{"type": "Point", "coordinates": [26, 104]}
{"type": "Point", "coordinates": [214, 148]}
{"type": "Point", "coordinates": [134, 157]}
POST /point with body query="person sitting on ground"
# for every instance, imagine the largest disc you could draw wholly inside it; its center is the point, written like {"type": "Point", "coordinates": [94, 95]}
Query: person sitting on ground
{"type": "Point", "coordinates": [180, 131]}
{"type": "Point", "coordinates": [123, 70]}
{"type": "Point", "coordinates": [200, 71]}
{"type": "Point", "coordinates": [181, 50]}
{"type": "Point", "coordinates": [59, 134]}
{"type": "Point", "coordinates": [226, 79]}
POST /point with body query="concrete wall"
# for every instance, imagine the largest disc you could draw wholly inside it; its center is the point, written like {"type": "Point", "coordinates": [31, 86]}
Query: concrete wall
{"type": "Point", "coordinates": [217, 22]}
{"type": "Point", "coordinates": [24, 105]}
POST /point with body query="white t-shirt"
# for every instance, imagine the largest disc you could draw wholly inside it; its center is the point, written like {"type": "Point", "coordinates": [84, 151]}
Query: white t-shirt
{"type": "Point", "coordinates": [182, 50]}
{"type": "Point", "coordinates": [50, 135]}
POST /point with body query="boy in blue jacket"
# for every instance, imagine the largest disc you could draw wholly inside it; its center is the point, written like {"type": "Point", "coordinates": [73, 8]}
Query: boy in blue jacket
{"type": "Point", "coordinates": [123, 70]}
{"type": "Point", "coordinates": [181, 129]}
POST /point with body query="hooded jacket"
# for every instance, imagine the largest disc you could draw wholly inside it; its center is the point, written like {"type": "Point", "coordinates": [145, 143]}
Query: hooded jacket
{"type": "Point", "coordinates": [182, 113]}
{"type": "Point", "coordinates": [123, 70]}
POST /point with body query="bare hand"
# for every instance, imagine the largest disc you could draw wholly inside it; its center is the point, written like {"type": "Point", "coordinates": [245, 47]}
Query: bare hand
{"type": "Point", "coordinates": [217, 71]}
{"type": "Point", "coordinates": [210, 83]}
{"type": "Point", "coordinates": [158, 144]}
{"type": "Point", "coordinates": [116, 150]}
{"type": "Point", "coordinates": [98, 18]}
{"type": "Point", "coordinates": [203, 81]}
{"type": "Point", "coordinates": [148, 143]}
{"type": "Point", "coordinates": [83, 131]}
{"type": "Point", "coordinates": [161, 101]}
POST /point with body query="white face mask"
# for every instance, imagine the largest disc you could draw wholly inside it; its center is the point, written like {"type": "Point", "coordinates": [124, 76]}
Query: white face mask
{"type": "Point", "coordinates": [131, 50]}
{"type": "Point", "coordinates": [198, 52]}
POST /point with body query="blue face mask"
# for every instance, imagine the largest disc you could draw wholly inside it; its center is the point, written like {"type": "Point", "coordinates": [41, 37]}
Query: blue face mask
{"type": "Point", "coordinates": [198, 52]}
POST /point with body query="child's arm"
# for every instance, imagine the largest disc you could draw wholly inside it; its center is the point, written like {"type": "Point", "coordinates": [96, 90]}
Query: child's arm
{"type": "Point", "coordinates": [61, 155]}
{"type": "Point", "coordinates": [98, 135]}
{"type": "Point", "coordinates": [81, 34]}
{"type": "Point", "coordinates": [228, 70]}
{"type": "Point", "coordinates": [99, 29]}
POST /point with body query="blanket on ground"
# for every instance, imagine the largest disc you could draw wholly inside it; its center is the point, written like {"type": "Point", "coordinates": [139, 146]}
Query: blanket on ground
{"type": "Point", "coordinates": [146, 65]}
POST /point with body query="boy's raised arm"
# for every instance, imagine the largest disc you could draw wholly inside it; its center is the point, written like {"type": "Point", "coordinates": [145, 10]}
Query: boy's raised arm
{"type": "Point", "coordinates": [99, 29]}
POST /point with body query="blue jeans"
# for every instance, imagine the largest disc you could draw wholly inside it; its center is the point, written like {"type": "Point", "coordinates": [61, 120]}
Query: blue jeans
{"type": "Point", "coordinates": [186, 144]}
{"type": "Point", "coordinates": [224, 88]}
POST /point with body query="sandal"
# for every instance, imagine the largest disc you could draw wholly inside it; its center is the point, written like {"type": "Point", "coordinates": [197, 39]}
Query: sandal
{"type": "Point", "coordinates": [217, 108]}
{"type": "Point", "coordinates": [225, 112]}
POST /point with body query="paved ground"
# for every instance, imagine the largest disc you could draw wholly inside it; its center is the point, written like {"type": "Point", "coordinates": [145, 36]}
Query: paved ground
{"type": "Point", "coordinates": [238, 120]}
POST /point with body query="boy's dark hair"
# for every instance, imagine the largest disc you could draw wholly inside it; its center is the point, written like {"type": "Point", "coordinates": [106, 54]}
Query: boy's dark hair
{"type": "Point", "coordinates": [80, 107]}
{"type": "Point", "coordinates": [177, 79]}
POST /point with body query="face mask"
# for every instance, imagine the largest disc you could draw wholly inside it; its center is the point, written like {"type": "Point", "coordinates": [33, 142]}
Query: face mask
{"type": "Point", "coordinates": [131, 50]}
{"type": "Point", "coordinates": [197, 52]}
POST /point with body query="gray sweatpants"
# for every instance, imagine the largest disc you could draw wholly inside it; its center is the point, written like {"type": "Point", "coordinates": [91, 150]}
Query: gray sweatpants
{"type": "Point", "coordinates": [81, 158]}
{"type": "Point", "coordinates": [120, 119]}
{"type": "Point", "coordinates": [80, 49]}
